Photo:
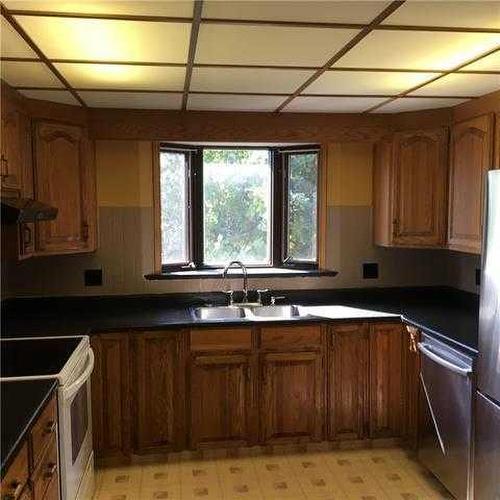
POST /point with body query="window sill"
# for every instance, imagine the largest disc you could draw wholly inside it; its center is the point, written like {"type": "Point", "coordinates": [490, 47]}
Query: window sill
{"type": "Point", "coordinates": [271, 272]}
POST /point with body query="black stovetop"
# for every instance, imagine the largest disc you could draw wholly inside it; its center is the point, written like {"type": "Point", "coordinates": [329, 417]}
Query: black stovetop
{"type": "Point", "coordinates": [36, 356]}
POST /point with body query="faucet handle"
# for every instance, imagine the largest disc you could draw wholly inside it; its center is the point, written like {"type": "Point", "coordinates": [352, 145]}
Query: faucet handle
{"type": "Point", "coordinates": [259, 294]}
{"type": "Point", "coordinates": [277, 297]}
{"type": "Point", "coordinates": [230, 297]}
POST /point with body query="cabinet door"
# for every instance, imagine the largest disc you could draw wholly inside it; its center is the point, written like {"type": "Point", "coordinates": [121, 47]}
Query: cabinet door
{"type": "Point", "coordinates": [158, 392]}
{"type": "Point", "coordinates": [412, 386]}
{"type": "Point", "coordinates": [348, 381]}
{"type": "Point", "coordinates": [11, 158]}
{"type": "Point", "coordinates": [292, 396]}
{"type": "Point", "coordinates": [110, 395]}
{"type": "Point", "coordinates": [419, 188]}
{"type": "Point", "coordinates": [471, 158]}
{"type": "Point", "coordinates": [382, 192]}
{"type": "Point", "coordinates": [386, 373]}
{"type": "Point", "coordinates": [65, 179]}
{"type": "Point", "coordinates": [222, 400]}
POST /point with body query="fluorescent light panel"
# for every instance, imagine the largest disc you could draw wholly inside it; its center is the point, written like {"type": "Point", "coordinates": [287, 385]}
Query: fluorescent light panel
{"type": "Point", "coordinates": [119, 76]}
{"type": "Point", "coordinates": [104, 40]}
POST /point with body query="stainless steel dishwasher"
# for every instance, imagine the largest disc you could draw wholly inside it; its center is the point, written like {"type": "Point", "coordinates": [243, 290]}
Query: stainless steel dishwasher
{"type": "Point", "coordinates": [445, 444]}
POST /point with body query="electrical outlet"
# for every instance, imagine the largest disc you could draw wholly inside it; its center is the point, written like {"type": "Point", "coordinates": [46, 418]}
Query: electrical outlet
{"type": "Point", "coordinates": [370, 271]}
{"type": "Point", "coordinates": [93, 277]}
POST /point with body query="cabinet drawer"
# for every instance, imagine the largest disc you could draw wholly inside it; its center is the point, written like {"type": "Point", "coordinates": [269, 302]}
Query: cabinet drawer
{"type": "Point", "coordinates": [290, 336]}
{"type": "Point", "coordinates": [17, 475]}
{"type": "Point", "coordinates": [221, 339]}
{"type": "Point", "coordinates": [46, 471]}
{"type": "Point", "coordinates": [44, 430]}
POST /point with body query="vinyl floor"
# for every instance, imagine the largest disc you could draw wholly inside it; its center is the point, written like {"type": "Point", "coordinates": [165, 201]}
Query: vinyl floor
{"type": "Point", "coordinates": [368, 474]}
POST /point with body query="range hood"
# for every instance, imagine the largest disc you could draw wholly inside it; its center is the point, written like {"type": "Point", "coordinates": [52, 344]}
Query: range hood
{"type": "Point", "coordinates": [18, 210]}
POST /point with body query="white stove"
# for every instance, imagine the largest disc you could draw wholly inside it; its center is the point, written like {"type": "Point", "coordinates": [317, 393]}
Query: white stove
{"type": "Point", "coordinates": [70, 360]}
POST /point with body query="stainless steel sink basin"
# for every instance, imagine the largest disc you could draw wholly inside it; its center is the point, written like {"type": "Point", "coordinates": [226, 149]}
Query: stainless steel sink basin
{"type": "Point", "coordinates": [275, 312]}
{"type": "Point", "coordinates": [219, 312]}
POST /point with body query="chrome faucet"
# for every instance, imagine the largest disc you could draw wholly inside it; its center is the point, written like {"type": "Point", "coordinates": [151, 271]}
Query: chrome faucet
{"type": "Point", "coordinates": [245, 279]}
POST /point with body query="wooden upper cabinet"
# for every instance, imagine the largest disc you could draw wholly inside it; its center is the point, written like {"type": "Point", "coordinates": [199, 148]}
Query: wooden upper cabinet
{"type": "Point", "coordinates": [496, 160]}
{"type": "Point", "coordinates": [158, 391]}
{"type": "Point", "coordinates": [12, 146]}
{"type": "Point", "coordinates": [386, 385]}
{"type": "Point", "coordinates": [410, 177]}
{"type": "Point", "coordinates": [65, 178]}
{"type": "Point", "coordinates": [348, 381]}
{"type": "Point", "coordinates": [470, 158]}
{"type": "Point", "coordinates": [292, 396]}
{"type": "Point", "coordinates": [222, 400]}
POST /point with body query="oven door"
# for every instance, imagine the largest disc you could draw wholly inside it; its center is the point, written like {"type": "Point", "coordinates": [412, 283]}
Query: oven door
{"type": "Point", "coordinates": [75, 427]}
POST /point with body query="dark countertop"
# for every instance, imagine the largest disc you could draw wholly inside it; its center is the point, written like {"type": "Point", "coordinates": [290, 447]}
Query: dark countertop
{"type": "Point", "coordinates": [22, 403]}
{"type": "Point", "coordinates": [447, 313]}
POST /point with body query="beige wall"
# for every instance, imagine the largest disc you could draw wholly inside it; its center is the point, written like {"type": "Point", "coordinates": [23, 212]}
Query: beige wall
{"type": "Point", "coordinates": [124, 191]}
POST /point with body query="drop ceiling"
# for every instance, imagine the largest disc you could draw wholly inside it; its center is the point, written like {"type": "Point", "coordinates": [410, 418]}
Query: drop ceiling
{"type": "Point", "coordinates": [281, 56]}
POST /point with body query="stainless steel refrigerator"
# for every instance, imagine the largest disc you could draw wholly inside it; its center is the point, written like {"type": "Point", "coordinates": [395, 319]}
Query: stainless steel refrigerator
{"type": "Point", "coordinates": [487, 425]}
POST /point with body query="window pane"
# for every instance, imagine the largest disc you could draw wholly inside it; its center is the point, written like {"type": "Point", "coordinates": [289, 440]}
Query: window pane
{"type": "Point", "coordinates": [302, 206]}
{"type": "Point", "coordinates": [237, 205]}
{"type": "Point", "coordinates": [174, 224]}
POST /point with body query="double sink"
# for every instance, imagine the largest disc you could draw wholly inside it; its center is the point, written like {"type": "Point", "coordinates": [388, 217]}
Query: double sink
{"type": "Point", "coordinates": [254, 312]}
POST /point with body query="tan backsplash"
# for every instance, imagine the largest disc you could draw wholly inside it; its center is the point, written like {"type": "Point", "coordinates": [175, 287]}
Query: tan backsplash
{"type": "Point", "coordinates": [125, 254]}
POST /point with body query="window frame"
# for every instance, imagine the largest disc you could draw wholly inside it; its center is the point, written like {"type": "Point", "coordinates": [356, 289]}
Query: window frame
{"type": "Point", "coordinates": [195, 230]}
{"type": "Point", "coordinates": [285, 154]}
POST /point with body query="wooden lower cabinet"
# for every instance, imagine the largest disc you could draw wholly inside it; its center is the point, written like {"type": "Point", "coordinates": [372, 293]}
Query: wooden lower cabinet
{"type": "Point", "coordinates": [386, 380]}
{"type": "Point", "coordinates": [158, 391]}
{"type": "Point", "coordinates": [111, 395]}
{"type": "Point", "coordinates": [292, 396]}
{"type": "Point", "coordinates": [34, 471]}
{"type": "Point", "coordinates": [222, 400]}
{"type": "Point", "coordinates": [348, 358]}
{"type": "Point", "coordinates": [412, 412]}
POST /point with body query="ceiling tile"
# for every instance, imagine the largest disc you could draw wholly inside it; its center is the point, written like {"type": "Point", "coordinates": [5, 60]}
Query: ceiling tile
{"type": "Point", "coordinates": [11, 42]}
{"type": "Point", "coordinates": [310, 11]}
{"type": "Point", "coordinates": [61, 96]}
{"type": "Point", "coordinates": [171, 8]}
{"type": "Point", "coordinates": [247, 80]}
{"type": "Point", "coordinates": [231, 44]}
{"type": "Point", "coordinates": [132, 100]}
{"type": "Point", "coordinates": [366, 83]}
{"type": "Point", "coordinates": [416, 103]}
{"type": "Point", "coordinates": [123, 76]}
{"type": "Point", "coordinates": [488, 63]}
{"type": "Point", "coordinates": [418, 49]}
{"type": "Point", "coordinates": [332, 104]}
{"type": "Point", "coordinates": [98, 40]}
{"type": "Point", "coordinates": [219, 102]}
{"type": "Point", "coordinates": [28, 74]}
{"type": "Point", "coordinates": [470, 14]}
{"type": "Point", "coordinates": [461, 85]}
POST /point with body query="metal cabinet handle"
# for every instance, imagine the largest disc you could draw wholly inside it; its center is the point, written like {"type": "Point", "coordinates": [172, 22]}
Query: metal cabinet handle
{"type": "Point", "coordinates": [17, 487]}
{"type": "Point", "coordinates": [27, 239]}
{"type": "Point", "coordinates": [51, 470]}
{"type": "Point", "coordinates": [425, 349]}
{"type": "Point", "coordinates": [50, 427]}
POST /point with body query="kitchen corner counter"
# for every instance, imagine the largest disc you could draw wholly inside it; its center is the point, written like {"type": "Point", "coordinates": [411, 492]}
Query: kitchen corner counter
{"type": "Point", "coordinates": [22, 403]}
{"type": "Point", "coordinates": [449, 314]}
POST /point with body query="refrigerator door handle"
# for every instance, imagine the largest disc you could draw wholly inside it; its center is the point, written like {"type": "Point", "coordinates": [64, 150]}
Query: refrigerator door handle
{"type": "Point", "coordinates": [426, 350]}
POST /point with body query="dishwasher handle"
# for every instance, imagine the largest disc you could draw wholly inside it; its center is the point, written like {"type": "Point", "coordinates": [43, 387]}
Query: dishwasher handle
{"type": "Point", "coordinates": [426, 350]}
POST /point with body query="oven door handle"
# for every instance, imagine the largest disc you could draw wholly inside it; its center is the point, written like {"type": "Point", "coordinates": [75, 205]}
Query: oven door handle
{"type": "Point", "coordinates": [426, 350]}
{"type": "Point", "coordinates": [69, 392]}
